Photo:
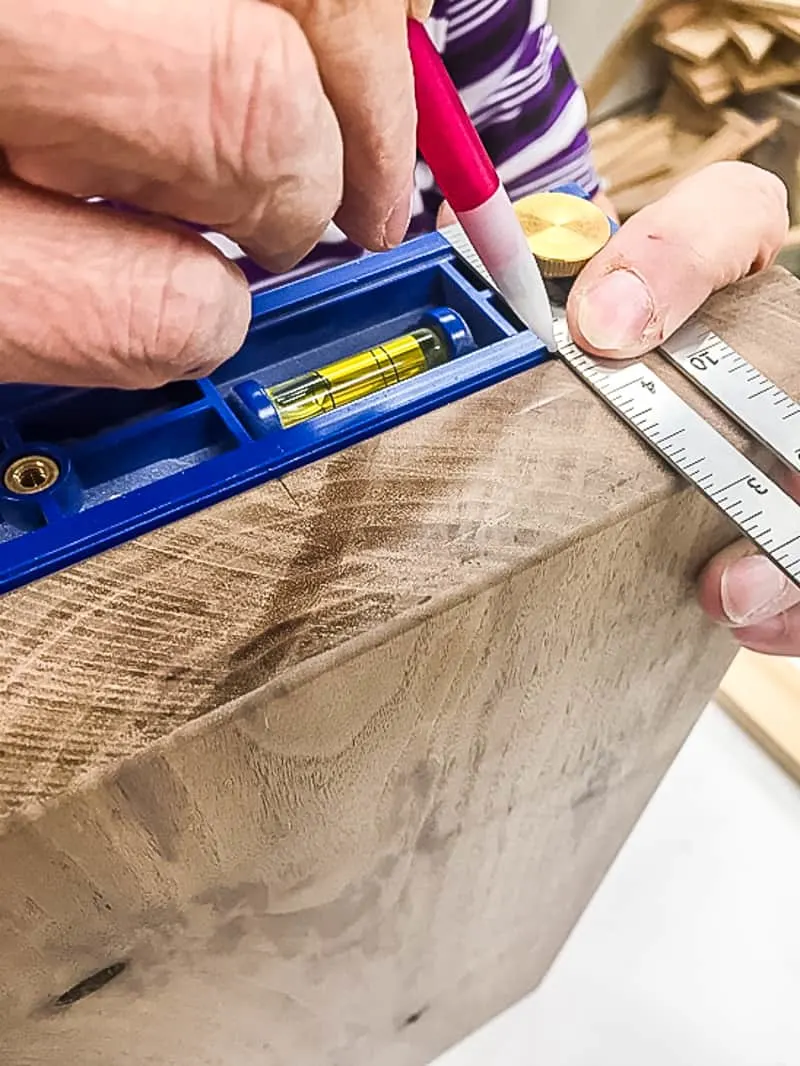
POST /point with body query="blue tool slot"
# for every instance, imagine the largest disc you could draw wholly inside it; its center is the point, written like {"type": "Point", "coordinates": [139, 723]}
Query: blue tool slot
{"type": "Point", "coordinates": [82, 470]}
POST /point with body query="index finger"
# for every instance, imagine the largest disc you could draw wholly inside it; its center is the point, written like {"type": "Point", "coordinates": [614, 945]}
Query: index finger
{"type": "Point", "coordinates": [363, 58]}
{"type": "Point", "coordinates": [212, 112]}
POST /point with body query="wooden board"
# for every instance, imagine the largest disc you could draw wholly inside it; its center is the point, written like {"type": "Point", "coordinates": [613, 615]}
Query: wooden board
{"type": "Point", "coordinates": [777, 70]}
{"type": "Point", "coordinates": [697, 42]}
{"type": "Point", "coordinates": [677, 15]}
{"type": "Point", "coordinates": [762, 694]}
{"type": "Point", "coordinates": [715, 48]}
{"type": "Point", "coordinates": [327, 773]}
{"type": "Point", "coordinates": [788, 25]}
{"type": "Point", "coordinates": [735, 138]}
{"type": "Point", "coordinates": [782, 7]}
{"type": "Point", "coordinates": [753, 40]}
{"type": "Point", "coordinates": [781, 153]}
{"type": "Point", "coordinates": [633, 147]}
{"type": "Point", "coordinates": [710, 84]}
{"type": "Point", "coordinates": [686, 110]}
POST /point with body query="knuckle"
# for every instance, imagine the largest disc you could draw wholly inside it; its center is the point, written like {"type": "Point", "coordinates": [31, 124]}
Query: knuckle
{"type": "Point", "coordinates": [764, 190]}
{"type": "Point", "coordinates": [267, 120]}
{"type": "Point", "coordinates": [276, 137]}
{"type": "Point", "coordinates": [183, 321]}
{"type": "Point", "coordinates": [773, 199]}
{"type": "Point", "coordinates": [698, 212]}
{"type": "Point", "coordinates": [130, 304]}
{"type": "Point", "coordinates": [767, 202]}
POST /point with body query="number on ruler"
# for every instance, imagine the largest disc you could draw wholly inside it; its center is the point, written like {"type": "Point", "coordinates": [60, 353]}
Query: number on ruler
{"type": "Point", "coordinates": [702, 361]}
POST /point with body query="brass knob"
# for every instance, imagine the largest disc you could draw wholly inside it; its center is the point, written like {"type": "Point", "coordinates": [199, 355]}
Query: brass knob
{"type": "Point", "coordinates": [563, 231]}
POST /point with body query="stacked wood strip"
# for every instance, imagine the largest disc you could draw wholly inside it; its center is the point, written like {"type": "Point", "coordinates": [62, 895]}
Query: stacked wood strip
{"type": "Point", "coordinates": [715, 55]}
{"type": "Point", "coordinates": [641, 156]}
{"type": "Point", "coordinates": [718, 49]}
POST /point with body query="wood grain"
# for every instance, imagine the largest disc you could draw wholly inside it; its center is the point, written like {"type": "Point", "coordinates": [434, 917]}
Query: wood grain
{"type": "Point", "coordinates": [325, 774]}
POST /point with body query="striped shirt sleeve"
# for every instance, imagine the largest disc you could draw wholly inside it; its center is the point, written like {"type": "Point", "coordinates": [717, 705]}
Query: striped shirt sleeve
{"type": "Point", "coordinates": [506, 61]}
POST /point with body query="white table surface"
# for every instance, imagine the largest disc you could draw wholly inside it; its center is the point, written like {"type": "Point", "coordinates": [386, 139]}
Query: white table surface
{"type": "Point", "coordinates": [689, 954]}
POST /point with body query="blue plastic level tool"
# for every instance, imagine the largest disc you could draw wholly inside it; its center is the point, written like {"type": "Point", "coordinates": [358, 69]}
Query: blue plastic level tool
{"type": "Point", "coordinates": [82, 470]}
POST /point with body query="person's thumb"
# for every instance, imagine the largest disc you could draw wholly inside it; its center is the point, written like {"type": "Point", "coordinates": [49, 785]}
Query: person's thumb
{"type": "Point", "coordinates": [717, 226]}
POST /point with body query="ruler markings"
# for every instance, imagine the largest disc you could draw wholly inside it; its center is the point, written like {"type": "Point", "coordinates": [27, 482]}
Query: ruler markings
{"type": "Point", "coordinates": [687, 442]}
{"type": "Point", "coordinates": [704, 457]}
{"type": "Point", "coordinates": [754, 410]}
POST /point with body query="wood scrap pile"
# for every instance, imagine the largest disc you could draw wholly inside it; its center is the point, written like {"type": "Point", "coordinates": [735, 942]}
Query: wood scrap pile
{"type": "Point", "coordinates": [715, 54]}
{"type": "Point", "coordinates": [641, 157]}
{"type": "Point", "coordinates": [719, 49]}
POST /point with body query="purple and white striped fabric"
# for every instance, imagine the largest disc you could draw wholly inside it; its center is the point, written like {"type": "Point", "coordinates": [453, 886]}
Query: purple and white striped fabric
{"type": "Point", "coordinates": [515, 83]}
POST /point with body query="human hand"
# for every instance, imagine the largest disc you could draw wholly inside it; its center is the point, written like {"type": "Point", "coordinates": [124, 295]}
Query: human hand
{"type": "Point", "coordinates": [260, 120]}
{"type": "Point", "coordinates": [677, 252]}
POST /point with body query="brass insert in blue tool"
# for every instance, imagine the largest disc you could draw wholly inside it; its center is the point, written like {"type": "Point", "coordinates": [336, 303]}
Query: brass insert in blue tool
{"type": "Point", "coordinates": [329, 360]}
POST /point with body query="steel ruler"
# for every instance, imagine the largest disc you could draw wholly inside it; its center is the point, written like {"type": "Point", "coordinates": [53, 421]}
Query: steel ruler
{"type": "Point", "coordinates": [759, 508]}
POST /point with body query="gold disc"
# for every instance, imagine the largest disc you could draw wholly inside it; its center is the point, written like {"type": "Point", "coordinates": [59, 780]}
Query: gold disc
{"type": "Point", "coordinates": [563, 231]}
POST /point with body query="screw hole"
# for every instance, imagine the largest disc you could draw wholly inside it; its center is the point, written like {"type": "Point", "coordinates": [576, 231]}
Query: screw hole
{"type": "Point", "coordinates": [31, 474]}
{"type": "Point", "coordinates": [90, 984]}
{"type": "Point", "coordinates": [32, 478]}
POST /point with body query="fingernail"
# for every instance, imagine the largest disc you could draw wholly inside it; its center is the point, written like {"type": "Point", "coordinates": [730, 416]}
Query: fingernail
{"type": "Point", "coordinates": [754, 590]}
{"type": "Point", "coordinates": [399, 220]}
{"type": "Point", "coordinates": [614, 314]}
